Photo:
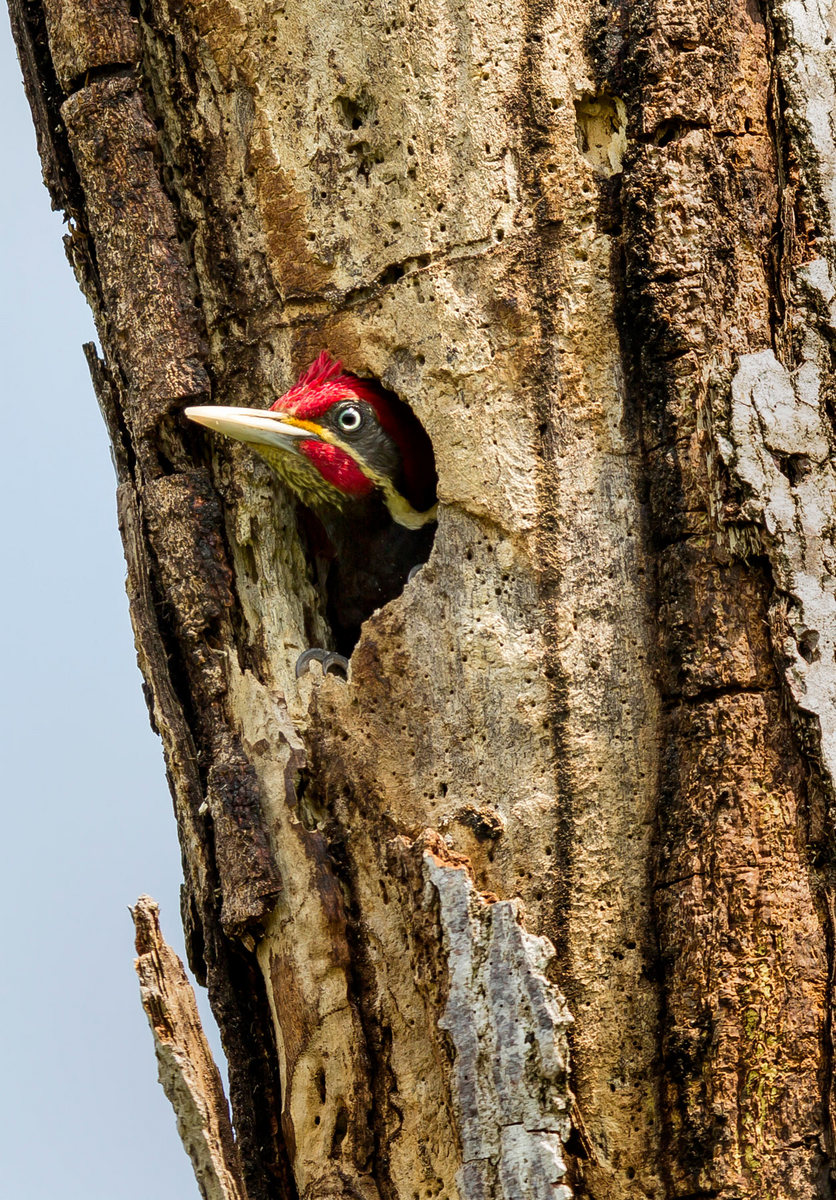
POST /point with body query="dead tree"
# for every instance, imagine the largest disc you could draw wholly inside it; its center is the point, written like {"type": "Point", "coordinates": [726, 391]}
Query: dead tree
{"type": "Point", "coordinates": [540, 901]}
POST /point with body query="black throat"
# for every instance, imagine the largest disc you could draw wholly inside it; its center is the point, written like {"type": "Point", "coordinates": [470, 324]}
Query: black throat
{"type": "Point", "coordinates": [362, 560]}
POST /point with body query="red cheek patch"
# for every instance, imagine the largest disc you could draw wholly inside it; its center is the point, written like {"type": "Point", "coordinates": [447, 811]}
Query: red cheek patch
{"type": "Point", "coordinates": [337, 468]}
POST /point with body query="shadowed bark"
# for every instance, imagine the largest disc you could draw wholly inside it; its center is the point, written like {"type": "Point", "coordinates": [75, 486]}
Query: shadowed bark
{"type": "Point", "coordinates": [539, 901]}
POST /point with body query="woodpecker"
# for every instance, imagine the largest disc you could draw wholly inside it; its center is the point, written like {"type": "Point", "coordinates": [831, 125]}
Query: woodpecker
{"type": "Point", "coordinates": [359, 458]}
{"type": "Point", "coordinates": [334, 438]}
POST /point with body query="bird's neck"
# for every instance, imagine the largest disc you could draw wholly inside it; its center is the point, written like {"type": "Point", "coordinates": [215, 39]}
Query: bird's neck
{"type": "Point", "coordinates": [402, 511]}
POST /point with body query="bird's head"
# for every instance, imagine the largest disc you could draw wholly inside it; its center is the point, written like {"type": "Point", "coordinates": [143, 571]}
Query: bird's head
{"type": "Point", "coordinates": [335, 438]}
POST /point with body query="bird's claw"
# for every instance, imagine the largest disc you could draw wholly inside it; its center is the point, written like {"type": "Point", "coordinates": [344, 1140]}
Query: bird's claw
{"type": "Point", "coordinates": [413, 571]}
{"type": "Point", "coordinates": [335, 664]}
{"type": "Point", "coordinates": [331, 662]}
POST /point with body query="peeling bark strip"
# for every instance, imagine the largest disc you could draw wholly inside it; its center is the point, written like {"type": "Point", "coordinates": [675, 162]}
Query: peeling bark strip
{"type": "Point", "coordinates": [151, 327]}
{"type": "Point", "coordinates": [804, 61]}
{"type": "Point", "coordinates": [188, 1073]}
{"type": "Point", "coordinates": [233, 990]}
{"type": "Point", "coordinates": [778, 451]}
{"type": "Point", "coordinates": [88, 35]}
{"type": "Point", "coordinates": [593, 247]}
{"type": "Point", "coordinates": [508, 1027]}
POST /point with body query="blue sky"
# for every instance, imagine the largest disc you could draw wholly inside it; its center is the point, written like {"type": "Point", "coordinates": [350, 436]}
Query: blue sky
{"type": "Point", "coordinates": [87, 819]}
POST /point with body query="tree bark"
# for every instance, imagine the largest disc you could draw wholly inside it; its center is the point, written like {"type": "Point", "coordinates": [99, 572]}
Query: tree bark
{"type": "Point", "coordinates": [540, 901]}
{"type": "Point", "coordinates": [187, 1071]}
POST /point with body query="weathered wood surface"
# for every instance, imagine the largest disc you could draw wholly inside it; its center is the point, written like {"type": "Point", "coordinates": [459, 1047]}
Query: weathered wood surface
{"type": "Point", "coordinates": [187, 1071]}
{"type": "Point", "coordinates": [592, 246]}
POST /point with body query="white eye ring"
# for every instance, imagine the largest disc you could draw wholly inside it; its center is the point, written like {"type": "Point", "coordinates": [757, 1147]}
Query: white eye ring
{"type": "Point", "coordinates": [349, 418]}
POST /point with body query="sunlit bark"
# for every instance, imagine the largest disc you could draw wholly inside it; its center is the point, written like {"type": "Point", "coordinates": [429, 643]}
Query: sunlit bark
{"type": "Point", "coordinates": [540, 901]}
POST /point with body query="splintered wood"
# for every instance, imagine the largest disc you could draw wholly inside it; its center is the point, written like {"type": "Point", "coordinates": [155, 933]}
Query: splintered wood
{"type": "Point", "coordinates": [187, 1071]}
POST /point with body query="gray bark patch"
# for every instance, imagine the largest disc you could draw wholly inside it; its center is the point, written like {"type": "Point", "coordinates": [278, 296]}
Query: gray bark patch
{"type": "Point", "coordinates": [508, 1026]}
{"type": "Point", "coordinates": [776, 447]}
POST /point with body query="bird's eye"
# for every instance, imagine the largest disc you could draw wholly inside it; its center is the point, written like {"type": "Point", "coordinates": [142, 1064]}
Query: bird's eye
{"type": "Point", "coordinates": [349, 418]}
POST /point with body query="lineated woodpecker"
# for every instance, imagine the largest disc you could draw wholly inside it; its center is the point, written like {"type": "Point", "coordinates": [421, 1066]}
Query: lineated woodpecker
{"type": "Point", "coordinates": [361, 460]}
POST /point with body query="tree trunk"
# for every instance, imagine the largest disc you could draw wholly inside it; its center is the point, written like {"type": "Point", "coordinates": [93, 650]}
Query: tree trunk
{"type": "Point", "coordinates": [589, 752]}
